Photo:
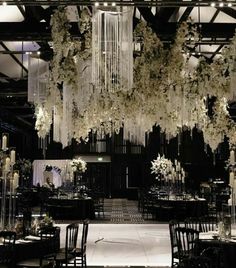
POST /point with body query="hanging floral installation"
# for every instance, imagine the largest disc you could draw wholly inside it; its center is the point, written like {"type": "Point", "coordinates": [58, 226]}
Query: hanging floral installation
{"type": "Point", "coordinates": [165, 91]}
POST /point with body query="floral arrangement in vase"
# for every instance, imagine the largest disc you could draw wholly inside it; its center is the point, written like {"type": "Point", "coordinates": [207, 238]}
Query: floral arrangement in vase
{"type": "Point", "coordinates": [166, 168]}
{"type": "Point", "coordinates": [78, 165]}
{"type": "Point", "coordinates": [161, 166]}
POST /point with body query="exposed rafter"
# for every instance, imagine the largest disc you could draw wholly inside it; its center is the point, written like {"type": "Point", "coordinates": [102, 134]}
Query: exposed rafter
{"type": "Point", "coordinates": [14, 57]}
{"type": "Point", "coordinates": [185, 14]}
{"type": "Point", "coordinates": [160, 3]}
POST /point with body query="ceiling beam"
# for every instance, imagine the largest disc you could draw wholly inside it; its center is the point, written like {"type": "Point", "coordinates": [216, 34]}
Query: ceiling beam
{"type": "Point", "coordinates": [229, 11]}
{"type": "Point", "coordinates": [14, 58]}
{"type": "Point", "coordinates": [164, 14]}
{"type": "Point", "coordinates": [214, 16]}
{"type": "Point", "coordinates": [185, 14]}
{"type": "Point", "coordinates": [22, 31]}
{"type": "Point", "coordinates": [161, 3]}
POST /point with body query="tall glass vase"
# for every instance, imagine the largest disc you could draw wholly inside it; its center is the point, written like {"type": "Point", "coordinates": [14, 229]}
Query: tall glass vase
{"type": "Point", "coordinates": [77, 179]}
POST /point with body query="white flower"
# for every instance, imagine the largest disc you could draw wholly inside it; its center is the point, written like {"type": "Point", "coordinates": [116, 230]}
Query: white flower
{"type": "Point", "coordinates": [161, 165]}
{"type": "Point", "coordinates": [78, 165]}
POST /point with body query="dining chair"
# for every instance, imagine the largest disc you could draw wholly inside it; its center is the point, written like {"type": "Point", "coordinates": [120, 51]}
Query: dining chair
{"type": "Point", "coordinates": [67, 255]}
{"type": "Point", "coordinates": [45, 259]}
{"type": "Point", "coordinates": [187, 240]}
{"type": "Point", "coordinates": [80, 253]}
{"type": "Point", "coordinates": [7, 249]}
{"type": "Point", "coordinates": [174, 247]}
{"type": "Point", "coordinates": [208, 224]}
{"type": "Point", "coordinates": [193, 223]}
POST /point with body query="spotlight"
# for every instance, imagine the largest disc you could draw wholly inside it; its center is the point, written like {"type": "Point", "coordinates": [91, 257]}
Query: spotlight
{"type": "Point", "coordinates": [221, 4]}
{"type": "Point", "coordinates": [4, 3]}
{"type": "Point", "coordinates": [113, 4]}
{"type": "Point", "coordinates": [213, 4]}
{"type": "Point", "coordinates": [105, 4]}
{"type": "Point", "coordinates": [229, 4]}
{"type": "Point", "coordinates": [96, 4]}
{"type": "Point", "coordinates": [38, 52]}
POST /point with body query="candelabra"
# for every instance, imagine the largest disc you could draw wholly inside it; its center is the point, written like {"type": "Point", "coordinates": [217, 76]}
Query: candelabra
{"type": "Point", "coordinates": [232, 183]}
{"type": "Point", "coordinates": [9, 182]}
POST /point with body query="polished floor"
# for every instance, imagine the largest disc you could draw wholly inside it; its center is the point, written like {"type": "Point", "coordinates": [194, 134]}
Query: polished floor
{"type": "Point", "coordinates": [127, 244]}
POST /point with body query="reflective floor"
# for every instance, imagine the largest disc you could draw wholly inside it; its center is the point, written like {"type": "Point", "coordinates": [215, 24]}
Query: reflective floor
{"type": "Point", "coordinates": [127, 244]}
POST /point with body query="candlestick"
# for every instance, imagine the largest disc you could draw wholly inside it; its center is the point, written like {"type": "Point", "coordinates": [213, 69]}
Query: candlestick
{"type": "Point", "coordinates": [231, 179]}
{"type": "Point", "coordinates": [7, 163]}
{"type": "Point", "coordinates": [13, 156]}
{"type": "Point", "coordinates": [232, 157]}
{"type": "Point", "coordinates": [4, 142]}
{"type": "Point", "coordinates": [16, 179]}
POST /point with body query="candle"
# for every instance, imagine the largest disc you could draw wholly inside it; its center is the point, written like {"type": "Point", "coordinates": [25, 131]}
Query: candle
{"type": "Point", "coordinates": [232, 157]}
{"type": "Point", "coordinates": [231, 179]}
{"type": "Point", "coordinates": [16, 179]}
{"type": "Point", "coordinates": [13, 156]}
{"type": "Point", "coordinates": [235, 186]}
{"type": "Point", "coordinates": [4, 142]}
{"type": "Point", "coordinates": [7, 163]}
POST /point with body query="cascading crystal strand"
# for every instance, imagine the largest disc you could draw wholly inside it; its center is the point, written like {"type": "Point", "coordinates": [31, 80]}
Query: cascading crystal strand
{"type": "Point", "coordinates": [38, 73]}
{"type": "Point", "coordinates": [112, 49]}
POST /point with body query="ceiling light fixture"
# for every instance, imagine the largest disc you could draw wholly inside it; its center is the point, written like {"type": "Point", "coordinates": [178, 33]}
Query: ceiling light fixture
{"type": "Point", "coordinates": [229, 4]}
{"type": "Point", "coordinates": [105, 4]}
{"type": "Point", "coordinates": [4, 3]}
{"type": "Point", "coordinates": [113, 4]}
{"type": "Point", "coordinates": [221, 4]}
{"type": "Point", "coordinates": [96, 4]}
{"type": "Point", "coordinates": [213, 4]}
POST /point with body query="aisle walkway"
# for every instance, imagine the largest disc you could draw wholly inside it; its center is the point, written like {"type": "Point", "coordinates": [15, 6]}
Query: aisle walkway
{"type": "Point", "coordinates": [122, 211]}
{"type": "Point", "coordinates": [127, 244]}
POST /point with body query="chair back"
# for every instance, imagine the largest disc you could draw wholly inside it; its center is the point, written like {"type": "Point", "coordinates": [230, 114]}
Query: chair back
{"type": "Point", "coordinates": [84, 236]}
{"type": "Point", "coordinates": [208, 224]}
{"type": "Point", "coordinates": [193, 223]}
{"type": "Point", "coordinates": [53, 235]}
{"type": "Point", "coordinates": [186, 241]}
{"type": "Point", "coordinates": [7, 250]}
{"type": "Point", "coordinates": [174, 247]}
{"type": "Point", "coordinates": [71, 237]}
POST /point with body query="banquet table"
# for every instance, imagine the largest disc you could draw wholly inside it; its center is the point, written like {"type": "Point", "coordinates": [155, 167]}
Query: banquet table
{"type": "Point", "coordinates": [181, 209]}
{"type": "Point", "coordinates": [71, 208]}
{"type": "Point", "coordinates": [228, 247]}
{"type": "Point", "coordinates": [33, 247]}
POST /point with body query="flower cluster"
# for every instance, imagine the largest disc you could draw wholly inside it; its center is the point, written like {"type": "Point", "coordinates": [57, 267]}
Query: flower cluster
{"type": "Point", "coordinates": [24, 166]}
{"type": "Point", "coordinates": [166, 168]}
{"type": "Point", "coordinates": [78, 165]}
{"type": "Point", "coordinates": [161, 166]}
{"type": "Point", "coordinates": [43, 121]}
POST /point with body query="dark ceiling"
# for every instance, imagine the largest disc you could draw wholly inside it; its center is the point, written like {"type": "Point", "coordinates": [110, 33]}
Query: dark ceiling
{"type": "Point", "coordinates": [217, 25]}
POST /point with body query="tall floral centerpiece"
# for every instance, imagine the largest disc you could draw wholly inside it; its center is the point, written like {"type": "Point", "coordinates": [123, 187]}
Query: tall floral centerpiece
{"type": "Point", "coordinates": [161, 166]}
{"type": "Point", "coordinates": [78, 166]}
{"type": "Point", "coordinates": [170, 174]}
